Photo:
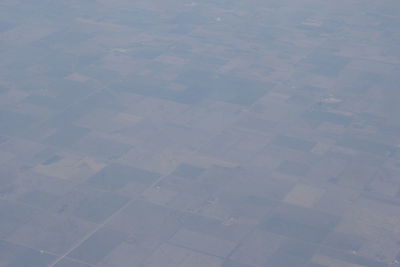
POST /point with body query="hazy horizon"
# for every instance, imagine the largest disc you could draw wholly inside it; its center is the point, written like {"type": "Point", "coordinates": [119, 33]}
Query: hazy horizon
{"type": "Point", "coordinates": [199, 133]}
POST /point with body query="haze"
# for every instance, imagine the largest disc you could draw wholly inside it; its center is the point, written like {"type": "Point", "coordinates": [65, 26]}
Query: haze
{"type": "Point", "coordinates": [212, 133]}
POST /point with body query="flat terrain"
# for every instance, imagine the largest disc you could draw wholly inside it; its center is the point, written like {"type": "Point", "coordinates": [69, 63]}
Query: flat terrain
{"type": "Point", "coordinates": [207, 133]}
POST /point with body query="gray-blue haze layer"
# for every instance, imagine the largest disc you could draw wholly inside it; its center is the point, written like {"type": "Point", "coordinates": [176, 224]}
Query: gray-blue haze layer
{"type": "Point", "coordinates": [206, 133]}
